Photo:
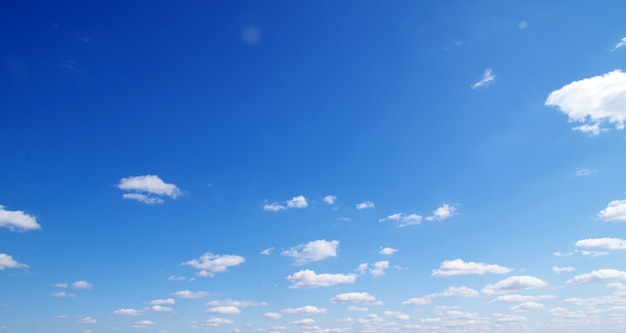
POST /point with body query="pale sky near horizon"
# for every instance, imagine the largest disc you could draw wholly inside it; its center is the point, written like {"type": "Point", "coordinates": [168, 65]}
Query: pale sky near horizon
{"type": "Point", "coordinates": [312, 166]}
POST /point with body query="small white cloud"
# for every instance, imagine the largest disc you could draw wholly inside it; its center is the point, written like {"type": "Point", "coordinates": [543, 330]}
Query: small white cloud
{"type": "Point", "coordinates": [86, 320]}
{"type": "Point", "coordinates": [418, 301]}
{"type": "Point", "coordinates": [147, 189]}
{"type": "Point", "coordinates": [63, 294]}
{"type": "Point", "coordinates": [143, 324]}
{"type": "Point", "coordinates": [365, 205]}
{"type": "Point", "coordinates": [176, 278]}
{"type": "Point", "coordinates": [312, 251]}
{"type": "Point", "coordinates": [614, 212]}
{"type": "Point", "coordinates": [143, 198]}
{"type": "Point", "coordinates": [593, 101]}
{"type": "Point", "coordinates": [403, 220]}
{"type": "Point", "coordinates": [488, 78]}
{"type": "Point", "coordinates": [601, 275]}
{"type": "Point", "coordinates": [560, 254]}
{"type": "Point", "coordinates": [459, 267]}
{"type": "Point", "coordinates": [620, 44]}
{"type": "Point", "coordinates": [7, 261]}
{"type": "Point", "coordinates": [168, 301]}
{"type": "Point", "coordinates": [461, 291]}
{"type": "Point", "coordinates": [230, 302]}
{"type": "Point", "coordinates": [602, 243]}
{"type": "Point", "coordinates": [559, 270]}
{"type": "Point", "coordinates": [309, 279]}
{"type": "Point", "coordinates": [297, 202]}
{"type": "Point", "coordinates": [128, 312]}
{"type": "Point", "coordinates": [216, 322]}
{"type": "Point", "coordinates": [387, 251]}
{"type": "Point", "coordinates": [158, 308]}
{"type": "Point", "coordinates": [272, 315]}
{"type": "Point", "coordinates": [330, 199]}
{"type": "Point", "coordinates": [353, 298]}
{"type": "Point", "coordinates": [520, 298]}
{"type": "Point", "coordinates": [81, 285]}
{"type": "Point", "coordinates": [513, 283]}
{"type": "Point", "coordinates": [224, 310]}
{"type": "Point", "coordinates": [584, 172]}
{"type": "Point", "coordinates": [379, 267]}
{"type": "Point", "coordinates": [273, 207]}
{"type": "Point", "coordinates": [444, 212]}
{"type": "Point", "coordinates": [362, 268]}
{"type": "Point", "coordinates": [593, 253]}
{"type": "Point", "coordinates": [191, 294]}
{"type": "Point", "coordinates": [526, 306]}
{"type": "Point", "coordinates": [17, 220]}
{"type": "Point", "coordinates": [267, 251]}
{"type": "Point", "coordinates": [307, 310]}
{"type": "Point", "coordinates": [210, 263]}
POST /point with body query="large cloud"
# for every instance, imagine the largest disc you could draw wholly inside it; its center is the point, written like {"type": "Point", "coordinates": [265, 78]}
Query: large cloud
{"type": "Point", "coordinates": [309, 279]}
{"type": "Point", "coordinates": [312, 251]}
{"type": "Point", "coordinates": [7, 261]}
{"type": "Point", "coordinates": [304, 310]}
{"type": "Point", "coordinates": [602, 243]}
{"type": "Point", "coordinates": [210, 263]}
{"type": "Point", "coordinates": [601, 275]}
{"type": "Point", "coordinates": [147, 189]}
{"type": "Point", "coordinates": [459, 267]}
{"type": "Point", "coordinates": [614, 212]}
{"type": "Point", "coordinates": [593, 102]}
{"type": "Point", "coordinates": [513, 283]}
{"type": "Point", "coordinates": [17, 220]}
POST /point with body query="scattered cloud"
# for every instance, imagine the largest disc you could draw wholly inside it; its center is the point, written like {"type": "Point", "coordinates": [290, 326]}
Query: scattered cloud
{"type": "Point", "coordinates": [513, 283]}
{"type": "Point", "coordinates": [602, 243]}
{"type": "Point", "coordinates": [488, 78]}
{"type": "Point", "coordinates": [312, 251]}
{"type": "Point", "coordinates": [621, 43]}
{"type": "Point", "coordinates": [267, 251]}
{"type": "Point", "coordinates": [143, 324]}
{"type": "Point", "coordinates": [365, 205]}
{"type": "Point", "coordinates": [461, 291]}
{"type": "Point", "coordinates": [444, 212]}
{"type": "Point", "coordinates": [210, 263]}
{"type": "Point", "coordinates": [593, 102]}
{"type": "Point", "coordinates": [584, 172]}
{"type": "Point", "coordinates": [224, 310]}
{"type": "Point", "coordinates": [307, 310]}
{"type": "Point", "coordinates": [418, 301]}
{"type": "Point", "coordinates": [362, 269]}
{"type": "Point", "coordinates": [353, 297]}
{"type": "Point", "coordinates": [306, 321]}
{"type": "Point", "coordinates": [559, 270]}
{"type": "Point", "coordinates": [168, 301]}
{"type": "Point", "coordinates": [601, 275]}
{"type": "Point", "coordinates": [215, 322]}
{"type": "Point", "coordinates": [273, 207]}
{"type": "Point", "coordinates": [520, 298]}
{"type": "Point", "coordinates": [86, 320]}
{"type": "Point", "coordinates": [357, 308]}
{"type": "Point", "coordinates": [17, 220]}
{"type": "Point", "coordinates": [158, 308]}
{"type": "Point", "coordinates": [379, 267]}
{"type": "Point", "coordinates": [459, 267]}
{"type": "Point", "coordinates": [309, 279]}
{"type": "Point", "coordinates": [387, 251]}
{"type": "Point", "coordinates": [81, 285]}
{"type": "Point", "coordinates": [147, 189]}
{"type": "Point", "coordinates": [7, 261]}
{"type": "Point", "coordinates": [176, 278]}
{"type": "Point", "coordinates": [297, 202]}
{"type": "Point", "coordinates": [272, 315]}
{"type": "Point", "coordinates": [330, 199]}
{"type": "Point", "coordinates": [230, 302]}
{"type": "Point", "coordinates": [191, 294]}
{"type": "Point", "coordinates": [143, 198]}
{"type": "Point", "coordinates": [560, 254]}
{"type": "Point", "coordinates": [63, 294]}
{"type": "Point", "coordinates": [128, 312]}
{"type": "Point", "coordinates": [614, 212]}
{"type": "Point", "coordinates": [60, 285]}
{"type": "Point", "coordinates": [527, 306]}
{"type": "Point", "coordinates": [403, 220]}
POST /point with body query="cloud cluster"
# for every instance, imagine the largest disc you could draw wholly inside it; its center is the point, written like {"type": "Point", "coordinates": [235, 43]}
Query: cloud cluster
{"type": "Point", "coordinates": [210, 263]}
{"type": "Point", "coordinates": [312, 251]}
{"type": "Point", "coordinates": [295, 202]}
{"type": "Point", "coordinates": [149, 189]}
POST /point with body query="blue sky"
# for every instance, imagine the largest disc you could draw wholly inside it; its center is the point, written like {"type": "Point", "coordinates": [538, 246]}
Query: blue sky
{"type": "Point", "coordinates": [312, 166]}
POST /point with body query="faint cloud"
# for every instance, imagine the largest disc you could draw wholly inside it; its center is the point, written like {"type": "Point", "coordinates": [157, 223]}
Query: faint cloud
{"type": "Point", "coordinates": [250, 35]}
{"type": "Point", "coordinates": [81, 285]}
{"type": "Point", "coordinates": [71, 65]}
{"type": "Point", "coordinates": [522, 25]}
{"type": "Point", "coordinates": [620, 44]}
{"type": "Point", "coordinates": [86, 320]}
{"type": "Point", "coordinates": [601, 275]}
{"type": "Point", "coordinates": [514, 283]}
{"type": "Point", "coordinates": [85, 40]}
{"type": "Point", "coordinates": [191, 294]}
{"type": "Point", "coordinates": [379, 268]}
{"type": "Point", "coordinates": [584, 172]}
{"type": "Point", "coordinates": [365, 205]}
{"type": "Point", "coordinates": [403, 220]}
{"type": "Point", "coordinates": [330, 199]}
{"type": "Point", "coordinates": [143, 324]}
{"type": "Point", "coordinates": [63, 294]}
{"type": "Point", "coordinates": [267, 251]}
{"type": "Point", "coordinates": [488, 78]}
{"type": "Point", "coordinates": [559, 270]}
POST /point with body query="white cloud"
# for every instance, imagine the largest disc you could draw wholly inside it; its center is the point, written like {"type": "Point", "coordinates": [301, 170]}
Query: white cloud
{"type": "Point", "coordinates": [86, 320]}
{"type": "Point", "coordinates": [601, 275]}
{"type": "Point", "coordinates": [514, 283]}
{"type": "Point", "coordinates": [81, 285]}
{"type": "Point", "coordinates": [353, 298]}
{"type": "Point", "coordinates": [191, 294]}
{"type": "Point", "coordinates": [594, 253]}
{"type": "Point", "coordinates": [559, 270]}
{"type": "Point", "coordinates": [444, 212]}
{"type": "Point", "coordinates": [488, 78]}
{"type": "Point", "coordinates": [330, 199]}
{"type": "Point", "coordinates": [168, 301]}
{"type": "Point", "coordinates": [459, 267]}
{"type": "Point", "coordinates": [267, 251]}
{"type": "Point", "coordinates": [602, 243]}
{"type": "Point", "coordinates": [309, 279]}
{"type": "Point", "coordinates": [362, 268]}
{"type": "Point", "coordinates": [615, 211]}
{"type": "Point", "coordinates": [158, 308]}
{"type": "Point", "coordinates": [397, 315]}
{"type": "Point", "coordinates": [128, 312]}
{"type": "Point", "coordinates": [307, 310]}
{"type": "Point", "coordinates": [462, 291]}
{"type": "Point", "coordinates": [387, 251]}
{"type": "Point", "coordinates": [215, 322]}
{"type": "Point", "coordinates": [272, 315]}
{"type": "Point", "coordinates": [365, 205]}
{"type": "Point", "coordinates": [520, 298]}
{"type": "Point", "coordinates": [403, 220]}
{"type": "Point", "coordinates": [230, 302]}
{"type": "Point", "coordinates": [210, 263]}
{"type": "Point", "coordinates": [593, 101]}
{"type": "Point", "coordinates": [297, 202]}
{"type": "Point", "coordinates": [620, 44]}
{"type": "Point", "coordinates": [584, 172]}
{"type": "Point", "coordinates": [312, 251]}
{"type": "Point", "coordinates": [224, 310]}
{"type": "Point", "coordinates": [306, 321]}
{"type": "Point", "coordinates": [143, 198]}
{"type": "Point", "coordinates": [559, 254]}
{"type": "Point", "coordinates": [273, 207]}
{"type": "Point", "coordinates": [63, 294]}
{"type": "Point", "coordinates": [17, 220]}
{"type": "Point", "coordinates": [147, 189]}
{"type": "Point", "coordinates": [418, 301]}
{"type": "Point", "coordinates": [379, 268]}
{"type": "Point", "coordinates": [7, 261]}
{"type": "Point", "coordinates": [526, 306]}
{"type": "Point", "coordinates": [143, 324]}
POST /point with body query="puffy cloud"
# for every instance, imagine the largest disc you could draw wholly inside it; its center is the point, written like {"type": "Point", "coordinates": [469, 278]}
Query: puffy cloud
{"type": "Point", "coordinates": [267, 251]}
{"type": "Point", "coordinates": [63, 294]}
{"type": "Point", "coordinates": [168, 301]}
{"type": "Point", "coordinates": [81, 285]}
{"type": "Point", "coordinates": [7, 261]}
{"type": "Point", "coordinates": [379, 267]}
{"type": "Point", "coordinates": [602, 243]}
{"type": "Point", "coordinates": [272, 315]}
{"type": "Point", "coordinates": [224, 310]}
{"type": "Point", "coordinates": [353, 298]}
{"type": "Point", "coordinates": [615, 211]}
{"type": "Point", "coordinates": [520, 298]}
{"type": "Point", "coordinates": [215, 322]}
{"type": "Point", "coordinates": [147, 189]}
{"type": "Point", "coordinates": [362, 268]}
{"type": "Point", "coordinates": [444, 212]}
{"type": "Point", "coordinates": [514, 283]}
{"type": "Point", "coordinates": [304, 310]}
{"type": "Point", "coordinates": [210, 263]}
{"type": "Point", "coordinates": [365, 205]}
{"type": "Point", "coordinates": [330, 199]}
{"type": "Point", "coordinates": [593, 101]}
{"type": "Point", "coordinates": [459, 267]}
{"type": "Point", "coordinates": [297, 202]}
{"type": "Point", "coordinates": [86, 320]}
{"type": "Point", "coordinates": [191, 294]}
{"type": "Point", "coordinates": [387, 251]}
{"type": "Point", "coordinates": [312, 251]}
{"type": "Point", "coordinates": [418, 301]}
{"type": "Point", "coordinates": [17, 220]}
{"type": "Point", "coordinates": [601, 275]}
{"type": "Point", "coordinates": [403, 220]}
{"type": "Point", "coordinates": [620, 44]}
{"type": "Point", "coordinates": [143, 324]}
{"type": "Point", "coordinates": [230, 302]}
{"type": "Point", "coordinates": [309, 279]}
{"type": "Point", "coordinates": [559, 270]}
{"type": "Point", "coordinates": [488, 78]}
{"type": "Point", "coordinates": [526, 306]}
{"type": "Point", "coordinates": [128, 312]}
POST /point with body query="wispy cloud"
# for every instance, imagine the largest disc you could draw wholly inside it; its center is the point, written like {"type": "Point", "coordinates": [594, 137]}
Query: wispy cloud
{"type": "Point", "coordinates": [295, 202]}
{"type": "Point", "coordinates": [488, 78]}
{"type": "Point", "coordinates": [365, 205]}
{"type": "Point", "coordinates": [149, 189]}
{"type": "Point", "coordinates": [210, 263]}
{"type": "Point", "coordinates": [621, 43]}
